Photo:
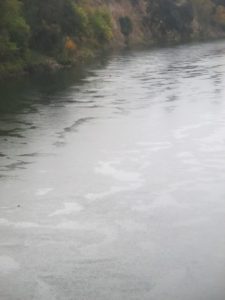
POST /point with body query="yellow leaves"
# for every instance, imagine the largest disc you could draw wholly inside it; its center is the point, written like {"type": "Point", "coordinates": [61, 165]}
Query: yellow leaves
{"type": "Point", "coordinates": [70, 44]}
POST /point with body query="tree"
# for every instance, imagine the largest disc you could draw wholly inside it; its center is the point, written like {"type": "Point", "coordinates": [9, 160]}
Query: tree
{"type": "Point", "coordinates": [14, 31]}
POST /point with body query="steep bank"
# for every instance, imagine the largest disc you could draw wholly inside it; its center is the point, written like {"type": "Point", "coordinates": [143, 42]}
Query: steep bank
{"type": "Point", "coordinates": [36, 34]}
{"type": "Point", "coordinates": [177, 20]}
{"type": "Point", "coordinates": [162, 21]}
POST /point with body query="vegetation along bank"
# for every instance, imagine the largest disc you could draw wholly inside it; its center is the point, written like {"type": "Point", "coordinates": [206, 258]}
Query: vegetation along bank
{"type": "Point", "coordinates": [37, 34]}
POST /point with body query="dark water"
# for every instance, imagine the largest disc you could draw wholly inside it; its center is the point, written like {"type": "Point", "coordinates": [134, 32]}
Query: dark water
{"type": "Point", "coordinates": [112, 179]}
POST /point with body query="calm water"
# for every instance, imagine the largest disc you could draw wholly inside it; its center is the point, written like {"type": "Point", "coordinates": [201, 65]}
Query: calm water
{"type": "Point", "coordinates": [112, 179]}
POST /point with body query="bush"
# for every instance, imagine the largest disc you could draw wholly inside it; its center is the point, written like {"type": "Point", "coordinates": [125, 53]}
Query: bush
{"type": "Point", "coordinates": [74, 20]}
{"type": "Point", "coordinates": [14, 31]}
{"type": "Point", "coordinates": [101, 25]}
{"type": "Point", "coordinates": [60, 29]}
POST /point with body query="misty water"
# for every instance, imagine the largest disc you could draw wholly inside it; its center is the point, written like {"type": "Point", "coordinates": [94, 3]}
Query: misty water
{"type": "Point", "coordinates": [112, 179]}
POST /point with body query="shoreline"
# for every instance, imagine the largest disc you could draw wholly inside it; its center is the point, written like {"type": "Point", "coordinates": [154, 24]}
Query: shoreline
{"type": "Point", "coordinates": [49, 64]}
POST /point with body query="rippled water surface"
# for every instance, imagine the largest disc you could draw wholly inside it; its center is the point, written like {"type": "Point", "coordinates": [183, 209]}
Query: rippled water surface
{"type": "Point", "coordinates": [112, 179]}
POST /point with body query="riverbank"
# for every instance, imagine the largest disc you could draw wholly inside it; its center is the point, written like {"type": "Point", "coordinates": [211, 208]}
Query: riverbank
{"type": "Point", "coordinates": [39, 63]}
{"type": "Point", "coordinates": [36, 37]}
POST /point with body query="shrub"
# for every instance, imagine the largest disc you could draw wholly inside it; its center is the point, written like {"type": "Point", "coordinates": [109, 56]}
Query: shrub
{"type": "Point", "coordinates": [14, 32]}
{"type": "Point", "coordinates": [74, 20]}
{"type": "Point", "coordinates": [101, 25]}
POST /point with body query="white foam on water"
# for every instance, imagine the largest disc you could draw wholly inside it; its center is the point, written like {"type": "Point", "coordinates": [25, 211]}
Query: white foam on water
{"type": "Point", "coordinates": [185, 131]}
{"type": "Point", "coordinates": [43, 171]}
{"type": "Point", "coordinates": [69, 208]}
{"type": "Point", "coordinates": [106, 168]}
{"type": "Point", "coordinates": [94, 196]}
{"type": "Point", "coordinates": [155, 146]}
{"type": "Point", "coordinates": [5, 222]}
{"type": "Point", "coordinates": [185, 154]}
{"type": "Point", "coordinates": [26, 225]}
{"type": "Point", "coordinates": [128, 180]}
{"type": "Point", "coordinates": [43, 291]}
{"type": "Point", "coordinates": [113, 190]}
{"type": "Point", "coordinates": [70, 225]}
{"type": "Point", "coordinates": [8, 265]}
{"type": "Point", "coordinates": [43, 191]}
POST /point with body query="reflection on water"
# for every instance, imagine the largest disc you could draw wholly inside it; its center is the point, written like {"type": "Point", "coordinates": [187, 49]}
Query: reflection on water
{"type": "Point", "coordinates": [112, 179]}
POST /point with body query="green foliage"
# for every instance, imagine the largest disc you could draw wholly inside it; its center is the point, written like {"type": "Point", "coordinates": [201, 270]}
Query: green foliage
{"type": "Point", "coordinates": [74, 20]}
{"type": "Point", "coordinates": [14, 32]}
{"type": "Point", "coordinates": [8, 49]}
{"type": "Point", "coordinates": [53, 21]}
{"type": "Point", "coordinates": [101, 25]}
{"type": "Point", "coordinates": [10, 68]}
{"type": "Point", "coordinates": [65, 30]}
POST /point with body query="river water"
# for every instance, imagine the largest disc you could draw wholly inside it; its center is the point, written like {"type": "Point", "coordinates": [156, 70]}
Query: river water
{"type": "Point", "coordinates": [112, 179]}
